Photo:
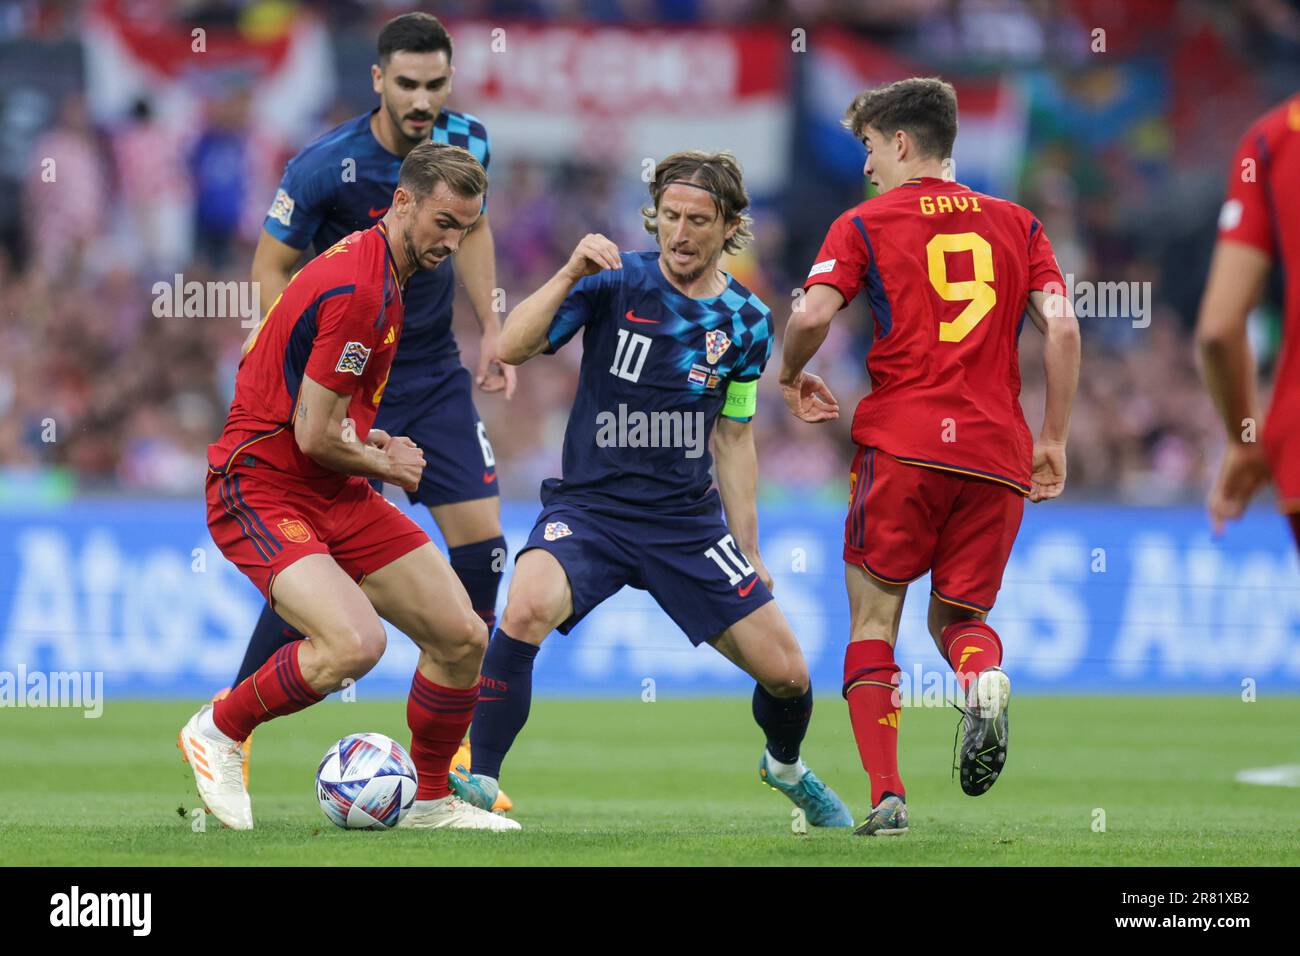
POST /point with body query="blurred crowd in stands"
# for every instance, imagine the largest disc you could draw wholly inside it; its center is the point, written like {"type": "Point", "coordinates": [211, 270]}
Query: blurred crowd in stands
{"type": "Point", "coordinates": [95, 386]}
{"type": "Point", "coordinates": [1029, 28]}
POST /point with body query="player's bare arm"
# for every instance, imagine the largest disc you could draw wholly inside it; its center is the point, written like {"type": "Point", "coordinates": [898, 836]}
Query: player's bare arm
{"type": "Point", "coordinates": [1053, 315]}
{"type": "Point", "coordinates": [273, 263]}
{"type": "Point", "coordinates": [319, 429]}
{"type": "Point", "coordinates": [736, 458]}
{"type": "Point", "coordinates": [1237, 275]}
{"type": "Point", "coordinates": [806, 394]}
{"type": "Point", "coordinates": [524, 335]}
{"type": "Point", "coordinates": [476, 267]}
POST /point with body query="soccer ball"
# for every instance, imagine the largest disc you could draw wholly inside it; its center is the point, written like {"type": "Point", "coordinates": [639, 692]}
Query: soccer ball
{"type": "Point", "coordinates": [366, 782]}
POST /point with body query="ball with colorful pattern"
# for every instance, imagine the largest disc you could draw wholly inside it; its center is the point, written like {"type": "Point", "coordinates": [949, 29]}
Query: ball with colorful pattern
{"type": "Point", "coordinates": [366, 782]}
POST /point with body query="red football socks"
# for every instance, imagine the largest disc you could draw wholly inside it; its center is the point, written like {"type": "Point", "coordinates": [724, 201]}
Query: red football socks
{"type": "Point", "coordinates": [439, 718]}
{"type": "Point", "coordinates": [870, 687]}
{"type": "Point", "coordinates": [970, 647]}
{"type": "Point", "coordinates": [275, 689]}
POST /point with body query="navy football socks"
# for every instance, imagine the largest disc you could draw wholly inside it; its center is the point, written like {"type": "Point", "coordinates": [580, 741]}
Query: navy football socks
{"type": "Point", "coordinates": [784, 720]}
{"type": "Point", "coordinates": [270, 634]}
{"type": "Point", "coordinates": [503, 702]}
{"type": "Point", "coordinates": [480, 566]}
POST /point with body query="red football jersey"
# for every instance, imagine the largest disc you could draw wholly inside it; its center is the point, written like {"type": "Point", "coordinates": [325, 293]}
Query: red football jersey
{"type": "Point", "coordinates": [1263, 210]}
{"type": "Point", "coordinates": [338, 322]}
{"type": "Point", "coordinates": [947, 272]}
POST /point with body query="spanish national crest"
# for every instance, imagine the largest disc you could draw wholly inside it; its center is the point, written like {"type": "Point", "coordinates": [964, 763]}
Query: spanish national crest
{"type": "Point", "coordinates": [716, 343]}
{"type": "Point", "coordinates": [294, 530]}
{"type": "Point", "coordinates": [556, 529]}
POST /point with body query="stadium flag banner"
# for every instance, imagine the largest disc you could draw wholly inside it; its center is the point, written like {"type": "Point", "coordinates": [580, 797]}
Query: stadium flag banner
{"type": "Point", "coordinates": [619, 95]}
{"type": "Point", "coordinates": [1095, 599]}
{"type": "Point", "coordinates": [994, 112]}
{"type": "Point", "coordinates": [130, 55]}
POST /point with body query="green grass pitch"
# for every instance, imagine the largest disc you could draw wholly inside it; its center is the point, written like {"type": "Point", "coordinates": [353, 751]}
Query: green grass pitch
{"type": "Point", "coordinates": [674, 782]}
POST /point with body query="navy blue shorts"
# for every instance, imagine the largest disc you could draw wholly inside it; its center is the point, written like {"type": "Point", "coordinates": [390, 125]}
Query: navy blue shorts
{"type": "Point", "coordinates": [690, 564]}
{"type": "Point", "coordinates": [438, 414]}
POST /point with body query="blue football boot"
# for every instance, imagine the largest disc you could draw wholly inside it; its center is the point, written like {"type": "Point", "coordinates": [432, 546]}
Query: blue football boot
{"type": "Point", "coordinates": [818, 801]}
{"type": "Point", "coordinates": [477, 791]}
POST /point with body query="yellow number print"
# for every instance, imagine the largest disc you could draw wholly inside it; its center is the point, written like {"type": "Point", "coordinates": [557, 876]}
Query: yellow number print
{"type": "Point", "coordinates": [977, 292]}
{"type": "Point", "coordinates": [379, 392]}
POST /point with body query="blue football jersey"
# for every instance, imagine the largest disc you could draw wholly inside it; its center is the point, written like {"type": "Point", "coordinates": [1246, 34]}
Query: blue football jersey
{"type": "Point", "coordinates": [656, 370]}
{"type": "Point", "coordinates": [344, 181]}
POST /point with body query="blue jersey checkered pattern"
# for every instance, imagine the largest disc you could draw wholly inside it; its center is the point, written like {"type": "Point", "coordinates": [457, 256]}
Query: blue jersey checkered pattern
{"type": "Point", "coordinates": [344, 181]}
{"type": "Point", "coordinates": [655, 369]}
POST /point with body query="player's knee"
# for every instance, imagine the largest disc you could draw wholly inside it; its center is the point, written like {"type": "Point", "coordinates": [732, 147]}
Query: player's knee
{"type": "Point", "coordinates": [476, 637]}
{"type": "Point", "coordinates": [788, 678]}
{"type": "Point", "coordinates": [466, 641]}
{"type": "Point", "coordinates": [528, 618]}
{"type": "Point", "coordinates": [356, 649]}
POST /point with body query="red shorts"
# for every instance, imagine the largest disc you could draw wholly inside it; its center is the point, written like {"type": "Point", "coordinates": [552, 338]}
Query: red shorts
{"type": "Point", "coordinates": [905, 520]}
{"type": "Point", "coordinates": [263, 524]}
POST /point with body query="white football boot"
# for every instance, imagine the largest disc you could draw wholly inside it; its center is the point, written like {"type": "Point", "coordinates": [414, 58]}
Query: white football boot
{"type": "Point", "coordinates": [219, 773]}
{"type": "Point", "coordinates": [453, 813]}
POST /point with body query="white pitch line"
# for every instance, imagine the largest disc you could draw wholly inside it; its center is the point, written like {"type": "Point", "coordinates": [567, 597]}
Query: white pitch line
{"type": "Point", "coordinates": [1287, 775]}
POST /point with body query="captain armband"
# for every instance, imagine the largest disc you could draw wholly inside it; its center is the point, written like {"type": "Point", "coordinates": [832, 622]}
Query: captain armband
{"type": "Point", "coordinates": [742, 400]}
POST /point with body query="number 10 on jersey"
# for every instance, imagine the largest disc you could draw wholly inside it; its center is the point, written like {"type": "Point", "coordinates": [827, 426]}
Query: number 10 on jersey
{"type": "Point", "coordinates": [629, 355]}
{"type": "Point", "coordinates": [733, 565]}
